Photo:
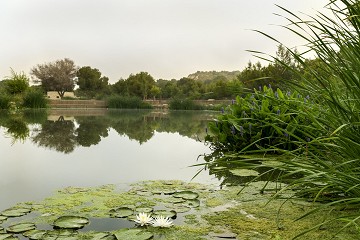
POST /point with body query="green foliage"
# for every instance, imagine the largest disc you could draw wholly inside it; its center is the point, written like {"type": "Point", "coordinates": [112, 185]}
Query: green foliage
{"type": "Point", "coordinates": [56, 76]}
{"type": "Point", "coordinates": [279, 73]}
{"type": "Point", "coordinates": [265, 119]}
{"type": "Point", "coordinates": [117, 101]}
{"type": "Point", "coordinates": [90, 82]}
{"type": "Point", "coordinates": [327, 168]}
{"type": "Point", "coordinates": [17, 83]}
{"type": "Point", "coordinates": [5, 101]}
{"type": "Point", "coordinates": [34, 99]}
{"type": "Point", "coordinates": [183, 104]}
{"type": "Point", "coordinates": [210, 76]}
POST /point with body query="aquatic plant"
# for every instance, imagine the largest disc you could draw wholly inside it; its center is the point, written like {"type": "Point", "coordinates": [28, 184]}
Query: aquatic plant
{"type": "Point", "coordinates": [143, 219]}
{"type": "Point", "coordinates": [328, 168]}
{"type": "Point", "coordinates": [265, 119]}
{"type": "Point", "coordinates": [162, 221]}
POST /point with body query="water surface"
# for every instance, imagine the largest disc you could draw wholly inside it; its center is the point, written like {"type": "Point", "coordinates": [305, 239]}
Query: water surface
{"type": "Point", "coordinates": [45, 151]}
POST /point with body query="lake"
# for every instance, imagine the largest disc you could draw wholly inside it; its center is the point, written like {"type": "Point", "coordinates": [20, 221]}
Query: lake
{"type": "Point", "coordinates": [43, 151]}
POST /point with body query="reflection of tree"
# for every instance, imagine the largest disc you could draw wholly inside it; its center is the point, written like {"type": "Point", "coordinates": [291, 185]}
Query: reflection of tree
{"type": "Point", "coordinates": [139, 125]}
{"type": "Point", "coordinates": [187, 123]}
{"type": "Point", "coordinates": [58, 135]}
{"type": "Point", "coordinates": [133, 124]}
{"type": "Point", "coordinates": [17, 128]}
{"type": "Point", "coordinates": [91, 130]}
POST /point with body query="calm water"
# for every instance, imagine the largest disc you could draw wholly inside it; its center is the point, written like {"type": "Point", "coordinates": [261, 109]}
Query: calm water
{"type": "Point", "coordinates": [45, 151]}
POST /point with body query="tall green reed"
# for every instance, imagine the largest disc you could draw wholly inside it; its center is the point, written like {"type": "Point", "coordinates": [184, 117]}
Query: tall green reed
{"type": "Point", "coordinates": [327, 168]}
{"type": "Point", "coordinates": [330, 169]}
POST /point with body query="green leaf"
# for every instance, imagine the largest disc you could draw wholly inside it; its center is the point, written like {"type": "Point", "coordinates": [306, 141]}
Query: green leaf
{"type": "Point", "coordinates": [132, 234]}
{"type": "Point", "coordinates": [20, 227]}
{"type": "Point", "coordinates": [72, 222]}
{"type": "Point", "coordinates": [186, 195]}
{"type": "Point", "coordinates": [121, 212]}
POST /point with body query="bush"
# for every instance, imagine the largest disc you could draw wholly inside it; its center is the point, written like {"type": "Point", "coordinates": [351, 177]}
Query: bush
{"type": "Point", "coordinates": [34, 99]}
{"type": "Point", "coordinates": [127, 102]}
{"type": "Point", "coordinates": [264, 119]}
{"type": "Point", "coordinates": [4, 101]}
{"type": "Point", "coordinates": [184, 104]}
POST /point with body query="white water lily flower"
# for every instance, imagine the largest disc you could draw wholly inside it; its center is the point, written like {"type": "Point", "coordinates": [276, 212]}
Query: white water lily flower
{"type": "Point", "coordinates": [143, 219]}
{"type": "Point", "coordinates": [161, 221]}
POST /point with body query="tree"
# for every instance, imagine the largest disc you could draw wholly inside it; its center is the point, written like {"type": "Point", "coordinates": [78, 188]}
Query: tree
{"type": "Point", "coordinates": [90, 81]}
{"type": "Point", "coordinates": [56, 76]}
{"type": "Point", "coordinates": [140, 84]}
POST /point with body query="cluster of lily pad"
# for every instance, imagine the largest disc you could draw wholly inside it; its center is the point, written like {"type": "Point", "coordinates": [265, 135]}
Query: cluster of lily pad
{"type": "Point", "coordinates": [158, 218]}
{"type": "Point", "coordinates": [66, 226]}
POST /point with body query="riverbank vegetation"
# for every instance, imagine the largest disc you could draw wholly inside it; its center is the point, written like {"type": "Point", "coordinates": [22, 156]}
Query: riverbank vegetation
{"type": "Point", "coordinates": [314, 139]}
{"type": "Point", "coordinates": [16, 92]}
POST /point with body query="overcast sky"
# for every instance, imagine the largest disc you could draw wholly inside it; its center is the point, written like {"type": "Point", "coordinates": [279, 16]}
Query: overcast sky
{"type": "Point", "coordinates": [166, 38]}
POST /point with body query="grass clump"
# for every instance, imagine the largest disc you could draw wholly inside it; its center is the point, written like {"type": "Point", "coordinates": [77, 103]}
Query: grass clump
{"type": "Point", "coordinates": [34, 99]}
{"type": "Point", "coordinates": [184, 104]}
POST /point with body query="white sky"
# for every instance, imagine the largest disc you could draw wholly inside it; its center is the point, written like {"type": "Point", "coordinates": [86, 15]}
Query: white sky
{"type": "Point", "coordinates": [167, 38]}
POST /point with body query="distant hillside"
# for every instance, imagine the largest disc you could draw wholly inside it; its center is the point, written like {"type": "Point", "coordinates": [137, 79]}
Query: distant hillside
{"type": "Point", "coordinates": [209, 76]}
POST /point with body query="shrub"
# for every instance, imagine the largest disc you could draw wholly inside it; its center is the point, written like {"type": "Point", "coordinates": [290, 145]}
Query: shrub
{"type": "Point", "coordinates": [184, 104]}
{"type": "Point", "coordinates": [34, 99]}
{"type": "Point", "coordinates": [4, 101]}
{"type": "Point", "coordinates": [127, 102]}
{"type": "Point", "coordinates": [264, 119]}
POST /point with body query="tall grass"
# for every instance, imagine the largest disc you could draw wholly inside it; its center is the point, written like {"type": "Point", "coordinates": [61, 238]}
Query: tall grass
{"type": "Point", "coordinates": [34, 99]}
{"type": "Point", "coordinates": [330, 169]}
{"type": "Point", "coordinates": [184, 104]}
{"type": "Point", "coordinates": [325, 169]}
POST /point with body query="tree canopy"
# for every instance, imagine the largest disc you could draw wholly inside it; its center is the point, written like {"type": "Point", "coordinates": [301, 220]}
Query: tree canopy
{"type": "Point", "coordinates": [56, 76]}
{"type": "Point", "coordinates": [90, 81]}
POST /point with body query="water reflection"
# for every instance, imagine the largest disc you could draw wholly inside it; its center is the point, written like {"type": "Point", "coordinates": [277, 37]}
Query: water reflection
{"type": "Point", "coordinates": [42, 151]}
{"type": "Point", "coordinates": [64, 130]}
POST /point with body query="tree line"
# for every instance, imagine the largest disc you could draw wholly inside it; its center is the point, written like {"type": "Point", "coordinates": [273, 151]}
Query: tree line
{"type": "Point", "coordinates": [63, 76]}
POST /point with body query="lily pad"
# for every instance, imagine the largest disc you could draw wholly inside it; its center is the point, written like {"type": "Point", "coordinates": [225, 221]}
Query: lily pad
{"type": "Point", "coordinates": [181, 209]}
{"type": "Point", "coordinates": [101, 236]}
{"type": "Point", "coordinates": [168, 191]}
{"type": "Point", "coordinates": [144, 210]}
{"type": "Point", "coordinates": [174, 200]}
{"type": "Point", "coordinates": [165, 213]}
{"type": "Point", "coordinates": [20, 227]}
{"type": "Point", "coordinates": [35, 234]}
{"type": "Point", "coordinates": [72, 222]}
{"type": "Point", "coordinates": [2, 218]}
{"type": "Point", "coordinates": [60, 234]}
{"type": "Point", "coordinates": [121, 212]}
{"type": "Point", "coordinates": [186, 195]}
{"type": "Point", "coordinates": [192, 203]}
{"type": "Point", "coordinates": [15, 212]}
{"type": "Point", "coordinates": [133, 234]}
{"type": "Point", "coordinates": [244, 172]}
{"type": "Point", "coordinates": [7, 236]}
